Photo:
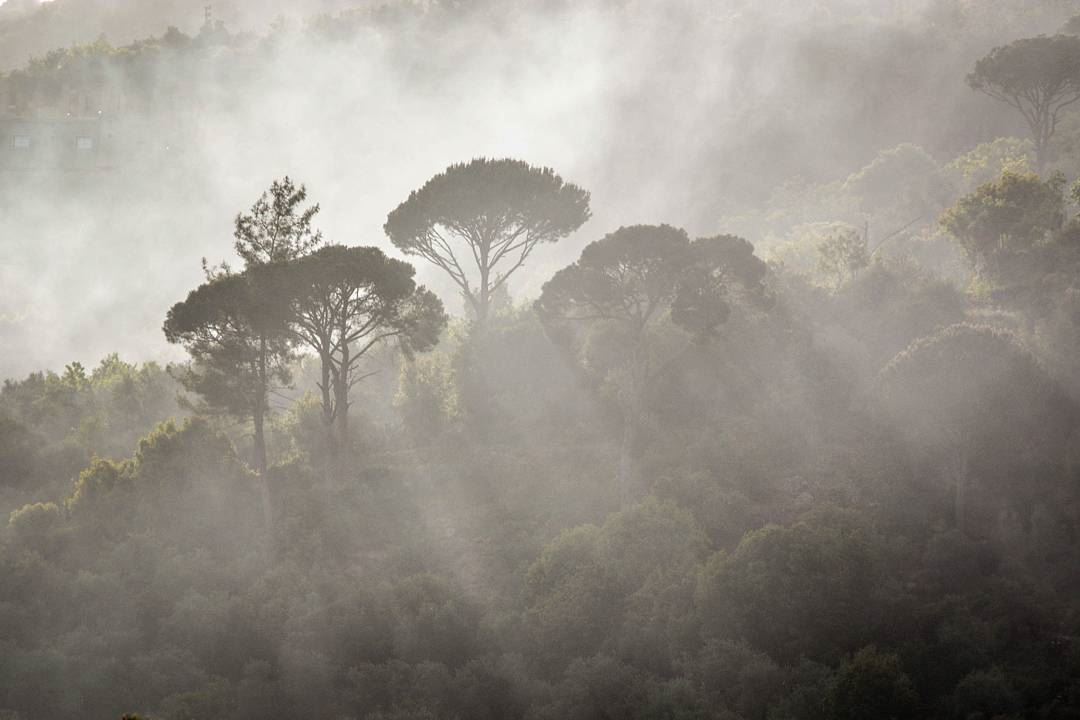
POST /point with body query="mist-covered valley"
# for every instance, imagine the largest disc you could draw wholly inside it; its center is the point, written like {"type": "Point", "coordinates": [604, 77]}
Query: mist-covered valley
{"type": "Point", "coordinates": [533, 359]}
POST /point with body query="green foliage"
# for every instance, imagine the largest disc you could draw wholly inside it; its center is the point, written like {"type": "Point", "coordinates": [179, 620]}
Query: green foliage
{"type": "Point", "coordinates": [234, 328]}
{"type": "Point", "coordinates": [888, 306]}
{"type": "Point", "coordinates": [799, 591]}
{"type": "Point", "coordinates": [842, 255]}
{"type": "Point", "coordinates": [338, 302]}
{"type": "Point", "coordinates": [344, 295]}
{"type": "Point", "coordinates": [972, 381]}
{"type": "Point", "coordinates": [635, 300]}
{"type": "Point", "coordinates": [95, 483]}
{"type": "Point", "coordinates": [873, 684]}
{"type": "Point", "coordinates": [629, 277]}
{"type": "Point", "coordinates": [787, 553]}
{"type": "Point", "coordinates": [572, 598]}
{"type": "Point", "coordinates": [1001, 220]}
{"type": "Point", "coordinates": [809, 687]}
{"type": "Point", "coordinates": [620, 587]}
{"type": "Point", "coordinates": [427, 395]}
{"type": "Point", "coordinates": [433, 622]}
{"type": "Point", "coordinates": [975, 396]}
{"type": "Point", "coordinates": [35, 525]}
{"type": "Point", "coordinates": [988, 161]}
{"type": "Point", "coordinates": [986, 694]}
{"type": "Point", "coordinates": [50, 424]}
{"type": "Point", "coordinates": [902, 183]}
{"type": "Point", "coordinates": [17, 451]}
{"type": "Point", "coordinates": [723, 270]}
{"type": "Point", "coordinates": [180, 476]}
{"type": "Point", "coordinates": [600, 686]}
{"type": "Point", "coordinates": [344, 302]}
{"type": "Point", "coordinates": [278, 228]}
{"type": "Point", "coordinates": [734, 675]}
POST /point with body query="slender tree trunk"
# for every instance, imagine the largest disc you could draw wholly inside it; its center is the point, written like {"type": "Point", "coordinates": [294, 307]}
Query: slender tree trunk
{"type": "Point", "coordinates": [341, 419]}
{"type": "Point", "coordinates": [483, 304]}
{"type": "Point", "coordinates": [1040, 153]}
{"type": "Point", "coordinates": [258, 450]}
{"type": "Point", "coordinates": [327, 381]}
{"type": "Point", "coordinates": [477, 395]}
{"type": "Point", "coordinates": [1041, 131]}
{"type": "Point", "coordinates": [325, 387]}
{"type": "Point", "coordinates": [259, 414]}
{"type": "Point", "coordinates": [260, 469]}
{"type": "Point", "coordinates": [341, 410]}
{"type": "Point", "coordinates": [259, 440]}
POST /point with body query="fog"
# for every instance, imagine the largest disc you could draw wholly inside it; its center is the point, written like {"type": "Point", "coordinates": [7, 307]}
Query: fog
{"type": "Point", "coordinates": [679, 113]}
{"type": "Point", "coordinates": [684, 359]}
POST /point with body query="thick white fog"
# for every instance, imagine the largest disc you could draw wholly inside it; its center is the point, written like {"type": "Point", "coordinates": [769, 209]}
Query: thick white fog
{"type": "Point", "coordinates": [681, 112]}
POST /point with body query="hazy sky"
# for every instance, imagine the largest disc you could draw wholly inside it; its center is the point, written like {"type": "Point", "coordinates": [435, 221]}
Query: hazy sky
{"type": "Point", "coordinates": [649, 107]}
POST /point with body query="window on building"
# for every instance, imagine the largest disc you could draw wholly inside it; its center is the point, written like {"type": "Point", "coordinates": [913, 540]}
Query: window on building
{"type": "Point", "coordinates": [20, 142]}
{"type": "Point", "coordinates": [84, 143]}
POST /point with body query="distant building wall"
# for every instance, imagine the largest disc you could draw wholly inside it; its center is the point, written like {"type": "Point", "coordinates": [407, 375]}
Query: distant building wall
{"type": "Point", "coordinates": [53, 144]}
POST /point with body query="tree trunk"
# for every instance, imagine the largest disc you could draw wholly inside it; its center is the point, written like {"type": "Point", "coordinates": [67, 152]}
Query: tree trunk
{"type": "Point", "coordinates": [341, 413]}
{"type": "Point", "coordinates": [477, 399]}
{"type": "Point", "coordinates": [483, 304]}
{"type": "Point", "coordinates": [341, 418]}
{"type": "Point", "coordinates": [259, 413]}
{"type": "Point", "coordinates": [258, 449]}
{"type": "Point", "coordinates": [326, 388]}
{"type": "Point", "coordinates": [259, 440]}
{"type": "Point", "coordinates": [260, 469]}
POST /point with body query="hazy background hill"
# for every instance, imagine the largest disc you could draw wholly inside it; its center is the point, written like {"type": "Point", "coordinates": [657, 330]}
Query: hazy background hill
{"type": "Point", "coordinates": [693, 113]}
{"type": "Point", "coordinates": [32, 27]}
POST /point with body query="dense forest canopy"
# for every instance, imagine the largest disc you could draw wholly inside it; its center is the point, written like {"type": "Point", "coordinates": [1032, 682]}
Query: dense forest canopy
{"type": "Point", "coordinates": [538, 359]}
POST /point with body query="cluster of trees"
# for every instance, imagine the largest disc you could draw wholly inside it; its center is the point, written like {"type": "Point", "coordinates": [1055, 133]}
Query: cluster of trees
{"type": "Point", "coordinates": [243, 328]}
{"type": "Point", "coordinates": [684, 482]}
{"type": "Point", "coordinates": [340, 303]}
{"type": "Point", "coordinates": [54, 423]}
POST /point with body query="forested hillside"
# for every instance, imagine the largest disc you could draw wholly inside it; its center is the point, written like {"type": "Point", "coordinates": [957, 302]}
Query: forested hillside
{"type": "Point", "coordinates": [543, 360]}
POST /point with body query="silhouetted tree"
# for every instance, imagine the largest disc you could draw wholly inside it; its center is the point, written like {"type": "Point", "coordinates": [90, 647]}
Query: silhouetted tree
{"type": "Point", "coordinates": [630, 282]}
{"type": "Point", "coordinates": [1038, 76]}
{"type": "Point", "coordinates": [345, 301]}
{"type": "Point", "coordinates": [233, 326]}
{"type": "Point", "coordinates": [278, 228]}
{"type": "Point", "coordinates": [480, 221]}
